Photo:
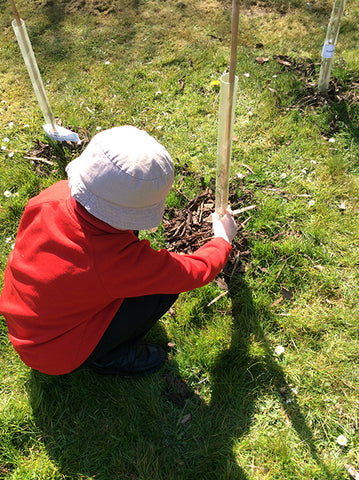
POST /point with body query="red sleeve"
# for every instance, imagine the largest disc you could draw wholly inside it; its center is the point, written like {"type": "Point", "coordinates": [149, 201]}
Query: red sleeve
{"type": "Point", "coordinates": [141, 270]}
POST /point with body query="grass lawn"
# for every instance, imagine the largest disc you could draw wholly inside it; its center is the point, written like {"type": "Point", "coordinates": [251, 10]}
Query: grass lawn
{"type": "Point", "coordinates": [228, 404]}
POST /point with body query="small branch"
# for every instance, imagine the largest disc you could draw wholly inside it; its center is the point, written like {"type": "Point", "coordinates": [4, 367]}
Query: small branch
{"type": "Point", "coordinates": [244, 209]}
{"type": "Point", "coordinates": [40, 159]}
{"type": "Point", "coordinates": [217, 298]}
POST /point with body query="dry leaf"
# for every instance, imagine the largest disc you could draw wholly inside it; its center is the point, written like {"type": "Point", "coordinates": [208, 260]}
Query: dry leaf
{"type": "Point", "coordinates": [262, 59]}
{"type": "Point", "coordinates": [186, 418]}
{"type": "Point", "coordinates": [287, 294]}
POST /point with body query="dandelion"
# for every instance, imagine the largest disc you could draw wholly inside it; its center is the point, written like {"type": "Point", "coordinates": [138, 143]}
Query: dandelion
{"type": "Point", "coordinates": [279, 350]}
{"type": "Point", "coordinates": [311, 203]}
{"type": "Point", "coordinates": [215, 83]}
{"type": "Point", "coordinates": [342, 441]}
{"type": "Point", "coordinates": [7, 193]}
{"type": "Point", "coordinates": [247, 75]}
{"type": "Point", "coordinates": [284, 175]}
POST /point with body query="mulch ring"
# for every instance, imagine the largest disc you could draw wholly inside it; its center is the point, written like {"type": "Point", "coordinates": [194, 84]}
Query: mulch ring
{"type": "Point", "coordinates": [346, 90]}
{"type": "Point", "coordinates": [189, 227]}
{"type": "Point", "coordinates": [45, 156]}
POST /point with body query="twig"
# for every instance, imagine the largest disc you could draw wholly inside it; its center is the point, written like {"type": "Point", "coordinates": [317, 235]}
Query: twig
{"type": "Point", "coordinates": [281, 269]}
{"type": "Point", "coordinates": [217, 298]}
{"type": "Point", "coordinates": [247, 167]}
{"type": "Point", "coordinates": [243, 224]}
{"type": "Point", "coordinates": [244, 209]}
{"type": "Point", "coordinates": [40, 159]}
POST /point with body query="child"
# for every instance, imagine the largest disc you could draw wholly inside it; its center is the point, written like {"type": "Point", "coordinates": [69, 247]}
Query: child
{"type": "Point", "coordinates": [80, 288]}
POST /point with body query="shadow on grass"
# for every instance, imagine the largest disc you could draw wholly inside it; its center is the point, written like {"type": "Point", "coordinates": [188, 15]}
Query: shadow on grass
{"type": "Point", "coordinates": [157, 427]}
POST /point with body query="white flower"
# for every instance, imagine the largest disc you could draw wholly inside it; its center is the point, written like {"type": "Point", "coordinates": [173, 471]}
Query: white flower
{"type": "Point", "coordinates": [313, 162]}
{"type": "Point", "coordinates": [11, 154]}
{"type": "Point", "coordinates": [16, 194]}
{"type": "Point", "coordinates": [13, 246]}
{"type": "Point", "coordinates": [331, 140]}
{"type": "Point", "coordinates": [311, 203]}
{"type": "Point", "coordinates": [3, 147]}
{"type": "Point", "coordinates": [6, 139]}
{"type": "Point", "coordinates": [8, 239]}
{"type": "Point", "coordinates": [342, 441]}
{"type": "Point", "coordinates": [304, 171]}
{"type": "Point", "coordinates": [294, 390]}
{"type": "Point", "coordinates": [250, 113]}
{"type": "Point", "coordinates": [27, 126]}
{"type": "Point", "coordinates": [11, 124]}
{"type": "Point", "coordinates": [158, 93]}
{"type": "Point", "coordinates": [98, 128]}
{"type": "Point", "coordinates": [284, 175]}
{"type": "Point", "coordinates": [289, 400]}
{"type": "Point", "coordinates": [279, 350]}
{"type": "Point", "coordinates": [275, 76]}
{"type": "Point", "coordinates": [247, 75]}
{"type": "Point", "coordinates": [107, 62]}
{"type": "Point", "coordinates": [7, 193]}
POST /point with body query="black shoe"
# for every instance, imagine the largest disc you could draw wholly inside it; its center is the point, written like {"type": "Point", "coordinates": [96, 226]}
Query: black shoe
{"type": "Point", "coordinates": [133, 361]}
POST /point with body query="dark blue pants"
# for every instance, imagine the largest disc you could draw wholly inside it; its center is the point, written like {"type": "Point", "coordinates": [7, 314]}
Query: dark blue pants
{"type": "Point", "coordinates": [133, 320]}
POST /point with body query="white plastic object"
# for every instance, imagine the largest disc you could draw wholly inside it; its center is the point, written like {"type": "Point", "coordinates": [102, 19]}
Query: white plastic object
{"type": "Point", "coordinates": [227, 103]}
{"type": "Point", "coordinates": [329, 45]}
{"type": "Point", "coordinates": [61, 134]}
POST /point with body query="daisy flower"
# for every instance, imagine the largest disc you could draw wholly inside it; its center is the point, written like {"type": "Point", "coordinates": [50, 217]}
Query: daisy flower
{"type": "Point", "coordinates": [7, 193]}
{"type": "Point", "coordinates": [279, 350]}
{"type": "Point", "coordinates": [311, 203]}
{"type": "Point", "coordinates": [342, 441]}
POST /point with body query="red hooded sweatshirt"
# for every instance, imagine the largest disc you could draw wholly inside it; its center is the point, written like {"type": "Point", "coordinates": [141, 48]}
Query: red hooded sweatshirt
{"type": "Point", "coordinates": [69, 273]}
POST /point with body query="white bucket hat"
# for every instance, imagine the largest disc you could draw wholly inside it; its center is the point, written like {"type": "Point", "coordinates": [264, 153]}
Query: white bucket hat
{"type": "Point", "coordinates": [123, 178]}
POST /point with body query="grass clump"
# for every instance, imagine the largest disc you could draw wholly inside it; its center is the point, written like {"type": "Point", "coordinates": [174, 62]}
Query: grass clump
{"type": "Point", "coordinates": [227, 405]}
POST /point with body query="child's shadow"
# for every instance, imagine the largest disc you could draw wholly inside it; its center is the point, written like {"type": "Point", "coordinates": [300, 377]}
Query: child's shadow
{"type": "Point", "coordinates": [157, 427]}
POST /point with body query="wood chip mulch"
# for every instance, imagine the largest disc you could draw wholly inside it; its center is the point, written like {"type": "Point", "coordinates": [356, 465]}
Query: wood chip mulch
{"type": "Point", "coordinates": [189, 227]}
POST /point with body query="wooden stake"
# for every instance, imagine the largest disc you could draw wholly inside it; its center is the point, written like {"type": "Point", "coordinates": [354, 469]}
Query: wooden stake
{"type": "Point", "coordinates": [16, 13]}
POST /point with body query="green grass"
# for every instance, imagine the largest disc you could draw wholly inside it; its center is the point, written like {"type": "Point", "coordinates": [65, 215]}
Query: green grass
{"type": "Point", "coordinates": [225, 406]}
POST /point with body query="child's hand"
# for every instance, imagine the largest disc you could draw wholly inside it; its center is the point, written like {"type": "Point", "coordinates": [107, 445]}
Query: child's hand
{"type": "Point", "coordinates": [224, 227]}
